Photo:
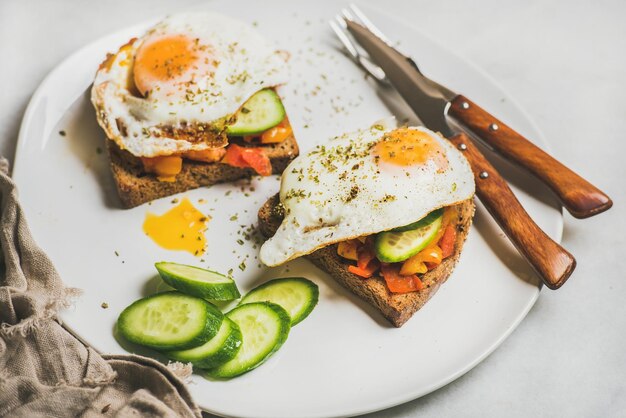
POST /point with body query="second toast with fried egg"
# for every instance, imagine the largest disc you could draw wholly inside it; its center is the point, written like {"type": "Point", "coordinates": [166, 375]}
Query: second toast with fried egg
{"type": "Point", "coordinates": [384, 210]}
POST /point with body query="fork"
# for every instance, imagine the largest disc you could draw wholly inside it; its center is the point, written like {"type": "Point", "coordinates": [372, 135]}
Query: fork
{"type": "Point", "coordinates": [338, 25]}
{"type": "Point", "coordinates": [355, 52]}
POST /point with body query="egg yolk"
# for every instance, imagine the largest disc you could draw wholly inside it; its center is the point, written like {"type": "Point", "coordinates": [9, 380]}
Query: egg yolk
{"type": "Point", "coordinates": [181, 228]}
{"type": "Point", "coordinates": [407, 147]}
{"type": "Point", "coordinates": [167, 59]}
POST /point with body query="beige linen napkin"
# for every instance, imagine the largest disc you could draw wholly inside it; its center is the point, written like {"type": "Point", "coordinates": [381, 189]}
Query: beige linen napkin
{"type": "Point", "coordinates": [44, 370]}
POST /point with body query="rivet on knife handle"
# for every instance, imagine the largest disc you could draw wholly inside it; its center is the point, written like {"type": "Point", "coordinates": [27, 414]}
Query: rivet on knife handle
{"type": "Point", "coordinates": [581, 198]}
{"type": "Point", "coordinates": [551, 261]}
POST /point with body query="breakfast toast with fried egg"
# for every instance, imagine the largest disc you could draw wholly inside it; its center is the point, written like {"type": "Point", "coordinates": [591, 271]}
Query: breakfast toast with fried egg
{"type": "Point", "coordinates": [396, 307]}
{"type": "Point", "coordinates": [192, 102]}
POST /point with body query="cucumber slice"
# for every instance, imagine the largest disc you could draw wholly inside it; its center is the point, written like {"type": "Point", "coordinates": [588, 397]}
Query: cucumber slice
{"type": "Point", "coordinates": [297, 295]}
{"type": "Point", "coordinates": [218, 350]}
{"type": "Point", "coordinates": [392, 246]}
{"type": "Point", "coordinates": [260, 112]}
{"type": "Point", "coordinates": [264, 328]}
{"type": "Point", "coordinates": [198, 282]}
{"type": "Point", "coordinates": [426, 220]}
{"type": "Point", "coordinates": [170, 320]}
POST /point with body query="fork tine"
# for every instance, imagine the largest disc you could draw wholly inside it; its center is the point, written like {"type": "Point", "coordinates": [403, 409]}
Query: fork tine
{"type": "Point", "coordinates": [342, 23]}
{"type": "Point", "coordinates": [367, 23]}
{"type": "Point", "coordinates": [343, 37]}
{"type": "Point", "coordinates": [347, 15]}
{"type": "Point", "coordinates": [340, 28]}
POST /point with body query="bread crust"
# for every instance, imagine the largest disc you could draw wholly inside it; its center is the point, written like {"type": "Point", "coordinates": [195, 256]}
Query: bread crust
{"type": "Point", "coordinates": [397, 308]}
{"type": "Point", "coordinates": [136, 187]}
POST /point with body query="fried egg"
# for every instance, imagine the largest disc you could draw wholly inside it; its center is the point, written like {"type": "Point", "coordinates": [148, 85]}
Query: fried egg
{"type": "Point", "coordinates": [365, 182]}
{"type": "Point", "coordinates": [177, 87]}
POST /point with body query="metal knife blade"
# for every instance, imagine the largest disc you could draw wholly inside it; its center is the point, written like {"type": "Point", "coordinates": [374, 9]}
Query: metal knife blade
{"type": "Point", "coordinates": [427, 100]}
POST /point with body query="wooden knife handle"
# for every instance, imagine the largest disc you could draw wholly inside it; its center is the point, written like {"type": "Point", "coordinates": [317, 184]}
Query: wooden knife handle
{"type": "Point", "coordinates": [551, 261]}
{"type": "Point", "coordinates": [581, 198]}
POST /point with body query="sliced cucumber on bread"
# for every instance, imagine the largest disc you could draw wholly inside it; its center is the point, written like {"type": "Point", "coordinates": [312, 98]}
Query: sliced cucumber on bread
{"type": "Point", "coordinates": [169, 321]}
{"type": "Point", "coordinates": [264, 327]}
{"type": "Point", "coordinates": [425, 221]}
{"type": "Point", "coordinates": [262, 111]}
{"type": "Point", "coordinates": [395, 246]}
{"type": "Point", "coordinates": [218, 350]}
{"type": "Point", "coordinates": [297, 295]}
{"type": "Point", "coordinates": [197, 281]}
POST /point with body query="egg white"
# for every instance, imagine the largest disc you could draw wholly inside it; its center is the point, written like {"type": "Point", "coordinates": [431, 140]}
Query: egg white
{"type": "Point", "coordinates": [338, 191]}
{"type": "Point", "coordinates": [247, 64]}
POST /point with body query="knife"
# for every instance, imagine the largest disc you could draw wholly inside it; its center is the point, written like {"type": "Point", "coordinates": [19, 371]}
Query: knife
{"type": "Point", "coordinates": [580, 198]}
{"type": "Point", "coordinates": [552, 262]}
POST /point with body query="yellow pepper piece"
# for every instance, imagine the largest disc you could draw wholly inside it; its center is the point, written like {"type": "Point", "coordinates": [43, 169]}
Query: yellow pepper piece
{"type": "Point", "coordinates": [348, 249]}
{"type": "Point", "coordinates": [277, 134]}
{"type": "Point", "coordinates": [165, 167]}
{"type": "Point", "coordinates": [413, 265]}
{"type": "Point", "coordinates": [417, 263]}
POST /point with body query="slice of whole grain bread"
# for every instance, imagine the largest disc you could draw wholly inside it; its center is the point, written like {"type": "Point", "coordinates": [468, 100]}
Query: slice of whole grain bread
{"type": "Point", "coordinates": [136, 187]}
{"type": "Point", "coordinates": [397, 308]}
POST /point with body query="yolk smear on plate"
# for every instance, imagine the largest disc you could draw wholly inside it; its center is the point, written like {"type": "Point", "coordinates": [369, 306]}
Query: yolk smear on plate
{"type": "Point", "coordinates": [180, 228]}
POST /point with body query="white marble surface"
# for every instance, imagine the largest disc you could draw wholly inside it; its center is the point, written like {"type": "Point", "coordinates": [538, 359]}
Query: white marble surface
{"type": "Point", "coordinates": [565, 63]}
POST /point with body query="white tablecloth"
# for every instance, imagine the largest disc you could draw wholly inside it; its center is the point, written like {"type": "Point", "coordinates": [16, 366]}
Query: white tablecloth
{"type": "Point", "coordinates": [565, 63]}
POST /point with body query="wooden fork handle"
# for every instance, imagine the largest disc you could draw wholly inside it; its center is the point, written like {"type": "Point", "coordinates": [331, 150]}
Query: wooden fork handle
{"type": "Point", "coordinates": [581, 198]}
{"type": "Point", "coordinates": [551, 261]}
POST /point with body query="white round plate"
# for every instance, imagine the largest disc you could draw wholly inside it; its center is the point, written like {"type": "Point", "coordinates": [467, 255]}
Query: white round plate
{"type": "Point", "coordinates": [344, 359]}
